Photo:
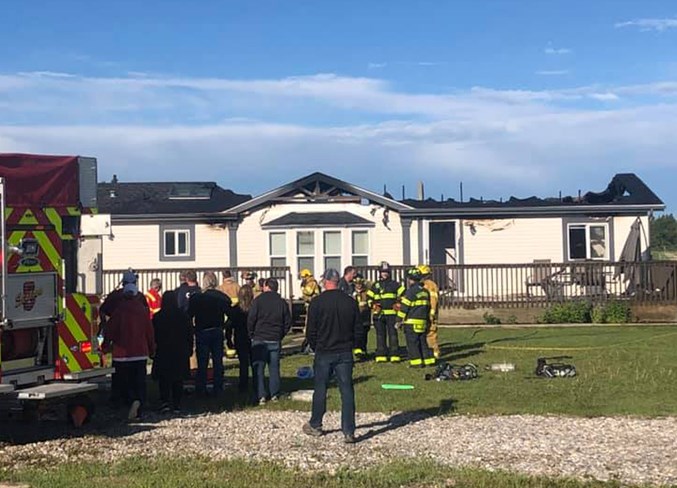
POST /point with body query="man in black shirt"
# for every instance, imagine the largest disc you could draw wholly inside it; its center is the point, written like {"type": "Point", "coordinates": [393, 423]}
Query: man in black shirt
{"type": "Point", "coordinates": [186, 289]}
{"type": "Point", "coordinates": [269, 320]}
{"type": "Point", "coordinates": [346, 284]}
{"type": "Point", "coordinates": [208, 310]}
{"type": "Point", "coordinates": [333, 329]}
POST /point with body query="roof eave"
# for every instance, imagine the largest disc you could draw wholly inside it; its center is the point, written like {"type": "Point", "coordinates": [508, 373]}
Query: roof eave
{"type": "Point", "coordinates": [560, 210]}
{"type": "Point", "coordinates": [190, 217]}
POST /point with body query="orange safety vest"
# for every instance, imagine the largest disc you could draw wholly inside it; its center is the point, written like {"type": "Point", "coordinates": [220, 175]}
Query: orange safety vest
{"type": "Point", "coordinates": [154, 300]}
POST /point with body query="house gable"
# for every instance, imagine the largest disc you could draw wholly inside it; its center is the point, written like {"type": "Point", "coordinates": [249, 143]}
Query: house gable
{"type": "Point", "coordinates": [318, 188]}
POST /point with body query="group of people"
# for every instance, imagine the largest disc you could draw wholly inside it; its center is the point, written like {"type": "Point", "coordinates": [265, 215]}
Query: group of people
{"type": "Point", "coordinates": [253, 319]}
{"type": "Point", "coordinates": [387, 305]}
{"type": "Point", "coordinates": [196, 322]}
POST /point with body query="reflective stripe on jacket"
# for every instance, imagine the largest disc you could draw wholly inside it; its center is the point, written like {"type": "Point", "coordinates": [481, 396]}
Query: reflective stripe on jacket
{"type": "Point", "coordinates": [385, 293]}
{"type": "Point", "coordinates": [415, 308]}
{"type": "Point", "coordinates": [154, 300]}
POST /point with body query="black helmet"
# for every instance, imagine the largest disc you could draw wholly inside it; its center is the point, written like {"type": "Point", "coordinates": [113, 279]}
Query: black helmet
{"type": "Point", "coordinates": [384, 267]}
{"type": "Point", "coordinates": [414, 274]}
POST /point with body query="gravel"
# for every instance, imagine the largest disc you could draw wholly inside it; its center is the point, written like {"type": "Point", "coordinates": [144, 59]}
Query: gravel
{"type": "Point", "coordinates": [631, 450]}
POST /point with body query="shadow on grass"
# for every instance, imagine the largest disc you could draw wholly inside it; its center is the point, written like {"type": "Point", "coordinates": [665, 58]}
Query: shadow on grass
{"type": "Point", "coordinates": [454, 351]}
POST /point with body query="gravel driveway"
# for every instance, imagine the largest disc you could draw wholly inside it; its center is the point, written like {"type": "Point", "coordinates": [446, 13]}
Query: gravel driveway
{"type": "Point", "coordinates": [626, 449]}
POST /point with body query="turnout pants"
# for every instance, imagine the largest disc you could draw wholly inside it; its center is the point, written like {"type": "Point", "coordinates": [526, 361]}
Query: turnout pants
{"type": "Point", "coordinates": [387, 343]}
{"type": "Point", "coordinates": [363, 338]}
{"type": "Point", "coordinates": [432, 340]}
{"type": "Point", "coordinates": [417, 347]}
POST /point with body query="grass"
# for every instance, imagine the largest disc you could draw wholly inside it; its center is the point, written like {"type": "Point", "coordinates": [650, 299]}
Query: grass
{"type": "Point", "coordinates": [628, 370]}
{"type": "Point", "coordinates": [198, 472]}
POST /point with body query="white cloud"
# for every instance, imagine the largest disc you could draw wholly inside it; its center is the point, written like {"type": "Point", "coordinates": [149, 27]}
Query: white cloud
{"type": "Point", "coordinates": [659, 25]}
{"type": "Point", "coordinates": [552, 50]}
{"type": "Point", "coordinates": [553, 72]}
{"type": "Point", "coordinates": [188, 127]}
{"type": "Point", "coordinates": [377, 65]}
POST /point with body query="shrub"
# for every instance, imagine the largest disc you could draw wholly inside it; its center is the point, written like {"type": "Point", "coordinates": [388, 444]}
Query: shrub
{"type": "Point", "coordinates": [575, 312]}
{"type": "Point", "coordinates": [611, 313]}
{"type": "Point", "coordinates": [491, 319]}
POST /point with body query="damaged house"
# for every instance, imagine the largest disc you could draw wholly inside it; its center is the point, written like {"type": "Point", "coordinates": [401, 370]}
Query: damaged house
{"type": "Point", "coordinates": [319, 221]}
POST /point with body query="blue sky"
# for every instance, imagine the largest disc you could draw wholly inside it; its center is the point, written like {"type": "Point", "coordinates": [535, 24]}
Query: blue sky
{"type": "Point", "coordinates": [511, 97]}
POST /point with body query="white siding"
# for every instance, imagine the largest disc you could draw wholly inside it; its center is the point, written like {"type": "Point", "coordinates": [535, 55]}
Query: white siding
{"type": "Point", "coordinates": [385, 243]}
{"type": "Point", "coordinates": [622, 229]}
{"type": "Point", "coordinates": [138, 246]}
{"type": "Point", "coordinates": [506, 241]}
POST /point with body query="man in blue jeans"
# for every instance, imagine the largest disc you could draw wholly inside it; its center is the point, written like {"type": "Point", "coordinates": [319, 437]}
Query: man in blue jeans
{"type": "Point", "coordinates": [333, 330]}
{"type": "Point", "coordinates": [208, 309]}
{"type": "Point", "coordinates": [269, 320]}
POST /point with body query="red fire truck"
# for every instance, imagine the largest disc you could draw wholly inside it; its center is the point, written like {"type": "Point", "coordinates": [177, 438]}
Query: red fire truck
{"type": "Point", "coordinates": [48, 345]}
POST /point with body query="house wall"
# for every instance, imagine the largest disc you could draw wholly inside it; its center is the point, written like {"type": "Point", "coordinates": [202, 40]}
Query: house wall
{"type": "Point", "coordinates": [138, 246]}
{"type": "Point", "coordinates": [385, 241]}
{"type": "Point", "coordinates": [505, 241]}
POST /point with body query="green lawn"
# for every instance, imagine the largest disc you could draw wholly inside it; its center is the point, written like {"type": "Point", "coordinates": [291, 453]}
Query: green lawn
{"type": "Point", "coordinates": [204, 473]}
{"type": "Point", "coordinates": [629, 370]}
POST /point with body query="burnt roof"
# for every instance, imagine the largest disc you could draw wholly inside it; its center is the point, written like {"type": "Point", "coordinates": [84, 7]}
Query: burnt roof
{"type": "Point", "coordinates": [166, 198]}
{"type": "Point", "coordinates": [624, 189]}
{"type": "Point", "coordinates": [323, 219]}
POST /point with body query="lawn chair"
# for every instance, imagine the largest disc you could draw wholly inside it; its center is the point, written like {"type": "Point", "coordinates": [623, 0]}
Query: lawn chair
{"type": "Point", "coordinates": [544, 278]}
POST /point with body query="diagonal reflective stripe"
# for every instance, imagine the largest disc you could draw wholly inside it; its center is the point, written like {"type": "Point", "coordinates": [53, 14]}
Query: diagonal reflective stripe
{"type": "Point", "coordinates": [48, 248]}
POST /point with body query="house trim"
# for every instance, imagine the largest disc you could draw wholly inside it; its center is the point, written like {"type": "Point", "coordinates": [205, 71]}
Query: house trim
{"type": "Point", "coordinates": [190, 228]}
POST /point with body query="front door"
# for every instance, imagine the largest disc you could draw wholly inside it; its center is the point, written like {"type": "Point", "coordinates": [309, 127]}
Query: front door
{"type": "Point", "coordinates": [442, 243]}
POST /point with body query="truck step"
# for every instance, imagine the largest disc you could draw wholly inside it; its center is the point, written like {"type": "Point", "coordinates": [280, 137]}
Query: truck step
{"type": "Point", "coordinates": [54, 390]}
{"type": "Point", "coordinates": [6, 389]}
{"type": "Point", "coordinates": [88, 374]}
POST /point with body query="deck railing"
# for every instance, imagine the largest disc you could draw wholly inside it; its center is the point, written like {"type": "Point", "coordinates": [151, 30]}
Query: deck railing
{"type": "Point", "coordinates": [537, 284]}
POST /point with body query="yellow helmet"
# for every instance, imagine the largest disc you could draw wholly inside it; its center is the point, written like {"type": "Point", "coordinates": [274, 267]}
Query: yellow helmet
{"type": "Point", "coordinates": [424, 269]}
{"type": "Point", "coordinates": [305, 273]}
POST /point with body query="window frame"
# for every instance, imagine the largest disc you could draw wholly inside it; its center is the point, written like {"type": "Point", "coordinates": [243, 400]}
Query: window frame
{"type": "Point", "coordinates": [587, 226]}
{"type": "Point", "coordinates": [188, 230]}
{"type": "Point", "coordinates": [334, 255]}
{"type": "Point", "coordinates": [354, 254]}
{"type": "Point", "coordinates": [300, 256]}
{"type": "Point", "coordinates": [271, 255]}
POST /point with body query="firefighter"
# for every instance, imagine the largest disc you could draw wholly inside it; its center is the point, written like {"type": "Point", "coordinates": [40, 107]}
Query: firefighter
{"type": "Point", "coordinates": [153, 296]}
{"type": "Point", "coordinates": [249, 278]}
{"type": "Point", "coordinates": [433, 289]}
{"type": "Point", "coordinates": [415, 316]}
{"type": "Point", "coordinates": [310, 288]}
{"type": "Point", "coordinates": [382, 298]}
{"type": "Point", "coordinates": [362, 299]}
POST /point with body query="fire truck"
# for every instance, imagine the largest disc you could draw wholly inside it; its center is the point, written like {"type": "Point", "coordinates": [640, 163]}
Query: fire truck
{"type": "Point", "coordinates": [48, 330]}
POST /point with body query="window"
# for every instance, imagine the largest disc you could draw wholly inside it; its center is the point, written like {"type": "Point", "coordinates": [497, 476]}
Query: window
{"type": "Point", "coordinates": [278, 249]}
{"type": "Point", "coordinates": [588, 241]}
{"type": "Point", "coordinates": [176, 243]}
{"type": "Point", "coordinates": [360, 248]}
{"type": "Point", "coordinates": [332, 249]}
{"type": "Point", "coordinates": [305, 250]}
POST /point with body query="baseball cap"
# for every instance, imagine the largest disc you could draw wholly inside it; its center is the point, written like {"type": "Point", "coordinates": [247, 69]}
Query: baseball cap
{"type": "Point", "coordinates": [331, 274]}
{"type": "Point", "coordinates": [130, 289]}
{"type": "Point", "coordinates": [128, 277]}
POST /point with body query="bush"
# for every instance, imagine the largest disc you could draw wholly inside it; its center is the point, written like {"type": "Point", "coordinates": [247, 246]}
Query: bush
{"type": "Point", "coordinates": [491, 319]}
{"type": "Point", "coordinates": [611, 313]}
{"type": "Point", "coordinates": [576, 312]}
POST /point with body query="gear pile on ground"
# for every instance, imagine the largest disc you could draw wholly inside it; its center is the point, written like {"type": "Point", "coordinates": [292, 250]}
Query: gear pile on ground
{"type": "Point", "coordinates": [630, 450]}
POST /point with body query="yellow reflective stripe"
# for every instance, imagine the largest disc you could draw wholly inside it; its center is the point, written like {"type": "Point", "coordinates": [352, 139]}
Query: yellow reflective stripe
{"type": "Point", "coordinates": [49, 250]}
{"type": "Point", "coordinates": [70, 362]}
{"type": "Point", "coordinates": [416, 321]}
{"type": "Point", "coordinates": [406, 301]}
{"type": "Point", "coordinates": [401, 290]}
{"type": "Point", "coordinates": [73, 211]}
{"type": "Point", "coordinates": [416, 362]}
{"type": "Point", "coordinates": [28, 218]}
{"type": "Point", "coordinates": [54, 217]}
{"type": "Point", "coordinates": [401, 314]}
{"type": "Point", "coordinates": [420, 303]}
{"type": "Point", "coordinates": [388, 295]}
{"type": "Point", "coordinates": [429, 361]}
{"type": "Point", "coordinates": [388, 312]}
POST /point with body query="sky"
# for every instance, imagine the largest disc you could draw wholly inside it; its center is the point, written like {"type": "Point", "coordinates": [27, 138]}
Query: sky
{"type": "Point", "coordinates": [509, 97]}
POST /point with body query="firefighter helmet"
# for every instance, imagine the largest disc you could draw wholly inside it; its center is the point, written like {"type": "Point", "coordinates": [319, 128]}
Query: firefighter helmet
{"type": "Point", "coordinates": [384, 267]}
{"type": "Point", "coordinates": [305, 273]}
{"type": "Point", "coordinates": [359, 279]}
{"type": "Point", "coordinates": [414, 274]}
{"type": "Point", "coordinates": [424, 269]}
{"type": "Point", "coordinates": [249, 275]}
